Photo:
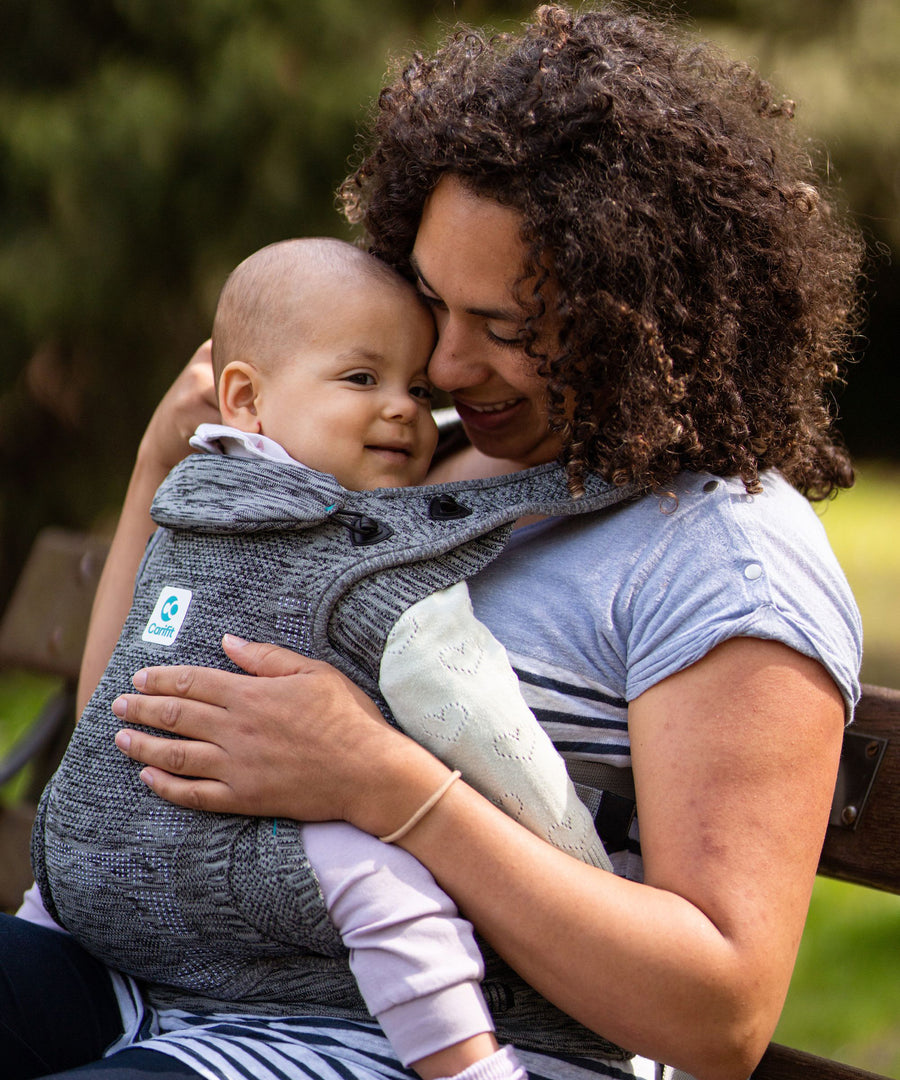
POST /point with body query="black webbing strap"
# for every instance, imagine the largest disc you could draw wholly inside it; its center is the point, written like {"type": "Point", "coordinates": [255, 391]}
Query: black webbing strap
{"type": "Point", "coordinates": [608, 792]}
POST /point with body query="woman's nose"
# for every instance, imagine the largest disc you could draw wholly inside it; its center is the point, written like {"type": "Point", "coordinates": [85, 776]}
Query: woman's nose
{"type": "Point", "coordinates": [454, 364]}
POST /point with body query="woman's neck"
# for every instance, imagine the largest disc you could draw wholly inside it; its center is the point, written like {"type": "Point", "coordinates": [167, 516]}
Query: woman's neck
{"type": "Point", "coordinates": [469, 464]}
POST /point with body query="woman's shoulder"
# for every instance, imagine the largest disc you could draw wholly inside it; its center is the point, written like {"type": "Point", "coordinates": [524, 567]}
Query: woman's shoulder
{"type": "Point", "coordinates": [706, 514]}
{"type": "Point", "coordinates": [646, 588]}
{"type": "Point", "coordinates": [717, 562]}
{"type": "Point", "coordinates": [698, 503]}
{"type": "Point", "coordinates": [719, 523]}
{"type": "Point", "coordinates": [707, 534]}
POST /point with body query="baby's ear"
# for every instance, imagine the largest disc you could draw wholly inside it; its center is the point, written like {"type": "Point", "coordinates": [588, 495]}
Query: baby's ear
{"type": "Point", "coordinates": [238, 390]}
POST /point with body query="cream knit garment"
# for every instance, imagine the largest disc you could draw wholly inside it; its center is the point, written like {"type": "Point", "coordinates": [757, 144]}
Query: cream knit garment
{"type": "Point", "coordinates": [450, 686]}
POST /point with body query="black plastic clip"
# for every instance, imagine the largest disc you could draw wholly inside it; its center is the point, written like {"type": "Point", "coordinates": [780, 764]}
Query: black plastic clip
{"type": "Point", "coordinates": [363, 530]}
{"type": "Point", "coordinates": [446, 508]}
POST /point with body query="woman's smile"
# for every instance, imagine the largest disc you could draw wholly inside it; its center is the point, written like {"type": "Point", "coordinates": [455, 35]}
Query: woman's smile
{"type": "Point", "coordinates": [468, 258]}
{"type": "Point", "coordinates": [487, 417]}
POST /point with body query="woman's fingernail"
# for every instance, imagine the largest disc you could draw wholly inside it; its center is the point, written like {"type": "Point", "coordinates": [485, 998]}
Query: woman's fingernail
{"type": "Point", "coordinates": [120, 706]}
{"type": "Point", "coordinates": [139, 679]}
{"type": "Point", "coordinates": [147, 777]}
{"type": "Point", "coordinates": [123, 740]}
{"type": "Point", "coordinates": [233, 641]}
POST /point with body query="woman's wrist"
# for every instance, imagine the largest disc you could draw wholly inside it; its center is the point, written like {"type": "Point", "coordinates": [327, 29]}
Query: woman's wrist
{"type": "Point", "coordinates": [426, 808]}
{"type": "Point", "coordinates": [399, 779]}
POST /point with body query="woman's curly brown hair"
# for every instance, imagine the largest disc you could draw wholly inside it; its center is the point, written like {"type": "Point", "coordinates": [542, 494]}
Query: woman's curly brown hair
{"type": "Point", "coordinates": [706, 283]}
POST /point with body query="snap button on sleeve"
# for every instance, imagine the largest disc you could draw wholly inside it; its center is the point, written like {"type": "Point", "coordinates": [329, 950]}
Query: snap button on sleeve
{"type": "Point", "coordinates": [752, 571]}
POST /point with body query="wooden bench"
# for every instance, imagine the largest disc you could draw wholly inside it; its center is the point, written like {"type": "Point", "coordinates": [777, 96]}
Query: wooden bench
{"type": "Point", "coordinates": [43, 630]}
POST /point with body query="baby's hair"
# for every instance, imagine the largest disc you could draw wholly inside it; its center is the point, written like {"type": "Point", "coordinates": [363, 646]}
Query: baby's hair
{"type": "Point", "coordinates": [265, 300]}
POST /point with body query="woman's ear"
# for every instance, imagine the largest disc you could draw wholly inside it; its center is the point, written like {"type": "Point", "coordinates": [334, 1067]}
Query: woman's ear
{"type": "Point", "coordinates": [239, 385]}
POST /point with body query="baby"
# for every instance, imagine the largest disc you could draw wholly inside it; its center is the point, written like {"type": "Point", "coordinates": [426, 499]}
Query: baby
{"type": "Point", "coordinates": [320, 354]}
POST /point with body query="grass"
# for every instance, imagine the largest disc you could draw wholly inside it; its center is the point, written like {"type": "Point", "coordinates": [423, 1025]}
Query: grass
{"type": "Point", "coordinates": [863, 525]}
{"type": "Point", "coordinates": [843, 997]}
{"type": "Point", "coordinates": [842, 1001]}
{"type": "Point", "coordinates": [21, 699]}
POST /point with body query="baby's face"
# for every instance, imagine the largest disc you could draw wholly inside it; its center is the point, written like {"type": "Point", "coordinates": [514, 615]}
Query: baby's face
{"type": "Point", "coordinates": [356, 401]}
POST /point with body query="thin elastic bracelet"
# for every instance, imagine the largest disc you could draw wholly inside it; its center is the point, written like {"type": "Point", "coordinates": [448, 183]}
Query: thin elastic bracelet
{"type": "Point", "coordinates": [429, 804]}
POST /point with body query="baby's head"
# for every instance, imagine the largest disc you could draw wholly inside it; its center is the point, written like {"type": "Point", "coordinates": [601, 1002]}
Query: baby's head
{"type": "Point", "coordinates": [324, 349]}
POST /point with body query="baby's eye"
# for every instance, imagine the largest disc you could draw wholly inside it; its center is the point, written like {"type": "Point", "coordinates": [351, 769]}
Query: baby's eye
{"type": "Point", "coordinates": [361, 378]}
{"type": "Point", "coordinates": [422, 391]}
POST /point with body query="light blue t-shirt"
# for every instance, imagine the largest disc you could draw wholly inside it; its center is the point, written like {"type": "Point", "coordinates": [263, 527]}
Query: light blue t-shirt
{"type": "Point", "coordinates": [595, 610]}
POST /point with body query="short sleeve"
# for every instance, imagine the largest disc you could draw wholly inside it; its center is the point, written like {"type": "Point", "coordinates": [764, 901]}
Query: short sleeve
{"type": "Point", "coordinates": [727, 564]}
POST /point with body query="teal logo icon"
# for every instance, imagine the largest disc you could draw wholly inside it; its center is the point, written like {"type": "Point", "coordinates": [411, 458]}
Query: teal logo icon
{"type": "Point", "coordinates": [168, 616]}
{"type": "Point", "coordinates": [169, 609]}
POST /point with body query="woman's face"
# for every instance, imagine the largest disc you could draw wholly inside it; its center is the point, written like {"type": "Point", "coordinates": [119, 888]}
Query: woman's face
{"type": "Point", "coordinates": [468, 256]}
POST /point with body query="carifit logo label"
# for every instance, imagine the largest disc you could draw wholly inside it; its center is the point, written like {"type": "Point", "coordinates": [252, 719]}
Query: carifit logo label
{"type": "Point", "coordinates": [168, 615]}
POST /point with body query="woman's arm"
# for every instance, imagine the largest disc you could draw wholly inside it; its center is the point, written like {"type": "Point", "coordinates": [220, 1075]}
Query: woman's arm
{"type": "Point", "coordinates": [734, 762]}
{"type": "Point", "coordinates": [190, 401]}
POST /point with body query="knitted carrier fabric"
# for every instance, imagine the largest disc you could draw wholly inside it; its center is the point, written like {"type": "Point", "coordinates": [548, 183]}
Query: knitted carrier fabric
{"type": "Point", "coordinates": [210, 910]}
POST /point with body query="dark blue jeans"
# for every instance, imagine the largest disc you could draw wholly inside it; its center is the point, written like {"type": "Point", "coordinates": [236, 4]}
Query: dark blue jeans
{"type": "Point", "coordinates": [58, 1012]}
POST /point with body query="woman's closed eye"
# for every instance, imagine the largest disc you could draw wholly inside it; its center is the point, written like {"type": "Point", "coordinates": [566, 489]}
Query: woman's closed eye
{"type": "Point", "coordinates": [510, 340]}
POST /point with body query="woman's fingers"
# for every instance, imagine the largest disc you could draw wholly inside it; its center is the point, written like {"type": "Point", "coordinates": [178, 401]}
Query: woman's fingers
{"type": "Point", "coordinates": [195, 794]}
{"type": "Point", "coordinates": [181, 757]}
{"type": "Point", "coordinates": [242, 740]}
{"type": "Point", "coordinates": [267, 660]}
{"type": "Point", "coordinates": [163, 690]}
{"type": "Point", "coordinates": [180, 701]}
{"type": "Point", "coordinates": [210, 795]}
{"type": "Point", "coordinates": [193, 772]}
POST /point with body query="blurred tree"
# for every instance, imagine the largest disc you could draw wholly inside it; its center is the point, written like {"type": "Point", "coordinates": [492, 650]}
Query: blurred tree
{"type": "Point", "coordinates": [840, 60]}
{"type": "Point", "coordinates": [148, 145]}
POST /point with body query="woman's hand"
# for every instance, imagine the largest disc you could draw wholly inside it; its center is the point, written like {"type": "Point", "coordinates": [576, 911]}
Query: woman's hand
{"type": "Point", "coordinates": [294, 738]}
{"type": "Point", "coordinates": [189, 401]}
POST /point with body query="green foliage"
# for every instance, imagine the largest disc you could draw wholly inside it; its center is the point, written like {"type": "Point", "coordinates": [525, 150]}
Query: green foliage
{"type": "Point", "coordinates": [863, 525]}
{"type": "Point", "coordinates": [842, 1001]}
{"type": "Point", "coordinates": [22, 696]}
{"type": "Point", "coordinates": [146, 146]}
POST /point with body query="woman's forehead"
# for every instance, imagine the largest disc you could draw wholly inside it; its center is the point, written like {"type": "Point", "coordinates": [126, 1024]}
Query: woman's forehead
{"type": "Point", "coordinates": [471, 244]}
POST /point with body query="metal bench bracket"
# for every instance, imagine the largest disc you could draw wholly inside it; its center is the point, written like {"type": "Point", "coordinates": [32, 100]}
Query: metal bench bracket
{"type": "Point", "coordinates": [860, 757]}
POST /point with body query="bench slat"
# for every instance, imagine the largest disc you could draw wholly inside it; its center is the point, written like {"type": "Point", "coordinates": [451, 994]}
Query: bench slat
{"type": "Point", "coordinates": [45, 624]}
{"type": "Point", "coordinates": [783, 1063]}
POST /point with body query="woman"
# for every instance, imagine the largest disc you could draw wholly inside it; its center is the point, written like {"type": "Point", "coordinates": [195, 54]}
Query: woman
{"type": "Point", "coordinates": [631, 270]}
